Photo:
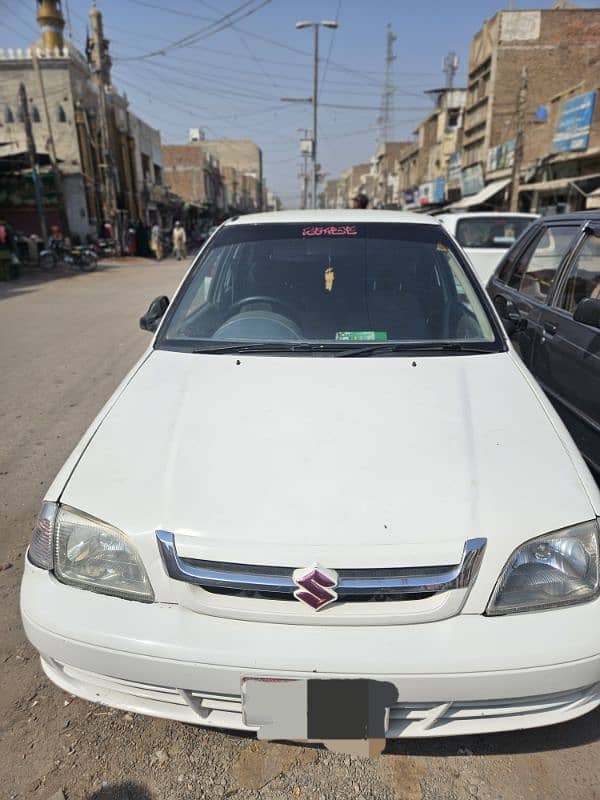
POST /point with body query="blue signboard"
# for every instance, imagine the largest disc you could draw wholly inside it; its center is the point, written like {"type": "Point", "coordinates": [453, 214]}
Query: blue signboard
{"type": "Point", "coordinates": [573, 128]}
{"type": "Point", "coordinates": [439, 190]}
{"type": "Point", "coordinates": [471, 180]}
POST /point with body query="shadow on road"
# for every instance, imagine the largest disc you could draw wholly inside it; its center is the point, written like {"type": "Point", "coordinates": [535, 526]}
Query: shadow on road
{"type": "Point", "coordinates": [576, 733]}
{"type": "Point", "coordinates": [121, 791]}
{"type": "Point", "coordinates": [31, 279]}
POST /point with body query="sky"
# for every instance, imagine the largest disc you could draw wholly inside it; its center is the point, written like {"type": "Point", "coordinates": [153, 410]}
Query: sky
{"type": "Point", "coordinates": [224, 65]}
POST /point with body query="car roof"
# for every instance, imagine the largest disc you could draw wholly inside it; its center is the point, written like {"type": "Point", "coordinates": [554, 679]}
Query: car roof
{"type": "Point", "coordinates": [467, 214]}
{"type": "Point", "coordinates": [577, 216]}
{"type": "Point", "coordinates": [333, 215]}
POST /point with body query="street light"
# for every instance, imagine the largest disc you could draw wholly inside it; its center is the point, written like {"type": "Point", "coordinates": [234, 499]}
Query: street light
{"type": "Point", "coordinates": [326, 23]}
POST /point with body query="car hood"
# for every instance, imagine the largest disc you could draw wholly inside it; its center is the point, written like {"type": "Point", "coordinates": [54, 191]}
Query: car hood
{"type": "Point", "coordinates": [354, 462]}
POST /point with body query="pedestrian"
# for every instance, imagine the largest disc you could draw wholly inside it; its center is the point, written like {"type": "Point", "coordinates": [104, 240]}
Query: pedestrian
{"type": "Point", "coordinates": [179, 240]}
{"type": "Point", "coordinates": [360, 201]}
{"type": "Point", "coordinates": [131, 240]}
{"type": "Point", "coordinates": [156, 242]}
{"type": "Point", "coordinates": [141, 239]}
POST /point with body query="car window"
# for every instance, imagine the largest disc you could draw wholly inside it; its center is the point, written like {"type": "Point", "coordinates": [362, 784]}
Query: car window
{"type": "Point", "coordinates": [497, 232]}
{"type": "Point", "coordinates": [536, 267]}
{"type": "Point", "coordinates": [330, 283]}
{"type": "Point", "coordinates": [584, 278]}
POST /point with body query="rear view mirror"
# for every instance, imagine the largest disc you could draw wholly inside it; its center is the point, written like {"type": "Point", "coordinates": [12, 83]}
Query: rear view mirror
{"type": "Point", "coordinates": [588, 312]}
{"type": "Point", "coordinates": [156, 311]}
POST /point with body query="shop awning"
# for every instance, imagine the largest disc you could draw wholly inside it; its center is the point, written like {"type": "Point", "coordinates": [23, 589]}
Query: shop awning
{"type": "Point", "coordinates": [481, 197]}
{"type": "Point", "coordinates": [558, 183]}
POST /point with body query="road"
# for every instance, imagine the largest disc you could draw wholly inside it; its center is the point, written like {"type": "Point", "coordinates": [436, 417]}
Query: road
{"type": "Point", "coordinates": [66, 342]}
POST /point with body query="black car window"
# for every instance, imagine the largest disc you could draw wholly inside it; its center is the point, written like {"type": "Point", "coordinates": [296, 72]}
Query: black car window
{"type": "Point", "coordinates": [584, 278]}
{"type": "Point", "coordinates": [537, 266]}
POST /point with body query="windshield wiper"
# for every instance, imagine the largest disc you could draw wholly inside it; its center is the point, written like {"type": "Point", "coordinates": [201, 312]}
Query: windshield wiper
{"type": "Point", "coordinates": [415, 349]}
{"type": "Point", "coordinates": [267, 347]}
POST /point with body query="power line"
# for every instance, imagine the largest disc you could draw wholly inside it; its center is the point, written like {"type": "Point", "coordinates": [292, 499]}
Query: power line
{"type": "Point", "coordinates": [203, 33]}
{"type": "Point", "coordinates": [329, 51]}
{"type": "Point", "coordinates": [25, 22]}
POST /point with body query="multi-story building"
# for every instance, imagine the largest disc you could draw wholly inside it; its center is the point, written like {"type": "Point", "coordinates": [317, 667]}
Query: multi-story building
{"type": "Point", "coordinates": [384, 174]}
{"type": "Point", "coordinates": [57, 77]}
{"type": "Point", "coordinates": [532, 54]}
{"type": "Point", "coordinates": [438, 138]}
{"type": "Point", "coordinates": [245, 157]}
{"type": "Point", "coordinates": [331, 193]}
{"type": "Point", "coordinates": [194, 175]}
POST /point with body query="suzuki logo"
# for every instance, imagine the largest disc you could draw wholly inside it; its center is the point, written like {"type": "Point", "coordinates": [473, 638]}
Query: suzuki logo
{"type": "Point", "coordinates": [315, 586]}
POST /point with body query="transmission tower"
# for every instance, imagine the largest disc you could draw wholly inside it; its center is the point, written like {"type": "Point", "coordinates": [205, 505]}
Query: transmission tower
{"type": "Point", "coordinates": [386, 117]}
{"type": "Point", "coordinates": [450, 67]}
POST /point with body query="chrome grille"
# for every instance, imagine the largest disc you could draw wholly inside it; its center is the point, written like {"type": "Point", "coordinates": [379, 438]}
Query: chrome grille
{"type": "Point", "coordinates": [354, 585]}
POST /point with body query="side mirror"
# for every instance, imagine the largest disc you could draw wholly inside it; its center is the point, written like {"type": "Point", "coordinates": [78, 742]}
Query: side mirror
{"type": "Point", "coordinates": [156, 311]}
{"type": "Point", "coordinates": [510, 315]}
{"type": "Point", "coordinates": [588, 312]}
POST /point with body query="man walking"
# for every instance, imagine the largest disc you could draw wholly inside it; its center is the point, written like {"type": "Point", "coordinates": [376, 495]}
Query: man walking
{"type": "Point", "coordinates": [156, 242]}
{"type": "Point", "coordinates": [179, 240]}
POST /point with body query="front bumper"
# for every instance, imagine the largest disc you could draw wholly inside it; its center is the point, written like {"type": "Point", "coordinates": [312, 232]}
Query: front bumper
{"type": "Point", "coordinates": [467, 674]}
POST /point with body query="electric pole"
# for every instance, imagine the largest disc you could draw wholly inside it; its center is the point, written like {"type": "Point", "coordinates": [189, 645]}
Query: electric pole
{"type": "Point", "coordinates": [304, 174]}
{"type": "Point", "coordinates": [326, 23]}
{"type": "Point", "coordinates": [314, 105]}
{"type": "Point", "coordinates": [386, 117]}
{"type": "Point", "coordinates": [35, 174]}
{"type": "Point", "coordinates": [519, 142]}
{"type": "Point", "coordinates": [100, 70]}
{"type": "Point", "coordinates": [64, 222]}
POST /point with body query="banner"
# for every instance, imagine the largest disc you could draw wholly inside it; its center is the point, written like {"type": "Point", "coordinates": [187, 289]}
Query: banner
{"type": "Point", "coordinates": [574, 124]}
{"type": "Point", "coordinates": [502, 156]}
{"type": "Point", "coordinates": [471, 180]}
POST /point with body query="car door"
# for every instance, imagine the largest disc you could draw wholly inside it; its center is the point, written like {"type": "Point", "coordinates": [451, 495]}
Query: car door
{"type": "Point", "coordinates": [528, 281]}
{"type": "Point", "coordinates": [567, 361]}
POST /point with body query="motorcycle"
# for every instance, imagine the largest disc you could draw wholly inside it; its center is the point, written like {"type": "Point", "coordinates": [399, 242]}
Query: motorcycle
{"type": "Point", "coordinates": [59, 253]}
{"type": "Point", "coordinates": [106, 248]}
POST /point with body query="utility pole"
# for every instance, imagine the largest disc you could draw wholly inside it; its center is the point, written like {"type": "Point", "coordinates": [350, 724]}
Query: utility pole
{"type": "Point", "coordinates": [304, 174]}
{"type": "Point", "coordinates": [519, 142]}
{"type": "Point", "coordinates": [107, 169]}
{"type": "Point", "coordinates": [64, 222]}
{"type": "Point", "coordinates": [314, 107]}
{"type": "Point", "coordinates": [386, 117]}
{"type": "Point", "coordinates": [326, 23]}
{"type": "Point", "coordinates": [35, 175]}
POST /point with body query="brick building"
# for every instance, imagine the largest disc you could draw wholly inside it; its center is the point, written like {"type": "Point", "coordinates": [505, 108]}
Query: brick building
{"type": "Point", "coordinates": [194, 175]}
{"type": "Point", "coordinates": [558, 48]}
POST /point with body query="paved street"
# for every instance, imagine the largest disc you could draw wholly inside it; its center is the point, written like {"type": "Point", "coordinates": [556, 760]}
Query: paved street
{"type": "Point", "coordinates": [66, 342]}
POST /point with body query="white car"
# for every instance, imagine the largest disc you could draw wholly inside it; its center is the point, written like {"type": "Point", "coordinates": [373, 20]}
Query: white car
{"type": "Point", "coordinates": [485, 236]}
{"type": "Point", "coordinates": [328, 493]}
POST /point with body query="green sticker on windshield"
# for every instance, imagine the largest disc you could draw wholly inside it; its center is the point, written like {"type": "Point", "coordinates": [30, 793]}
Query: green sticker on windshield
{"type": "Point", "coordinates": [361, 336]}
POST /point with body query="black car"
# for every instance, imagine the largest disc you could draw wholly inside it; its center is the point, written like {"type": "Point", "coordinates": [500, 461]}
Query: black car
{"type": "Point", "coordinates": [547, 292]}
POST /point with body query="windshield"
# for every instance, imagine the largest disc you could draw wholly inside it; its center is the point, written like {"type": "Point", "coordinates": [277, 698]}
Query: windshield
{"type": "Point", "coordinates": [332, 284]}
{"type": "Point", "coordinates": [491, 232]}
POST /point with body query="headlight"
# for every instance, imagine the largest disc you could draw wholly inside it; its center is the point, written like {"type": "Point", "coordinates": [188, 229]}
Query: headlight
{"type": "Point", "coordinates": [557, 569]}
{"type": "Point", "coordinates": [92, 555]}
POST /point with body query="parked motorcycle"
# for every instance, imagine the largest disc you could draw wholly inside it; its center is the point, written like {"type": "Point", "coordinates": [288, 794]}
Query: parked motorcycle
{"type": "Point", "coordinates": [106, 248]}
{"type": "Point", "coordinates": [59, 253]}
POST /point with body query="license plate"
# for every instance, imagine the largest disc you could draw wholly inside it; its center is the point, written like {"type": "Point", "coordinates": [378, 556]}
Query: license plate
{"type": "Point", "coordinates": [347, 710]}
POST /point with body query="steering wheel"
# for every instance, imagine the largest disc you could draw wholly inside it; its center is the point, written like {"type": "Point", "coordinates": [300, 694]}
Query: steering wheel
{"type": "Point", "coordinates": [287, 308]}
